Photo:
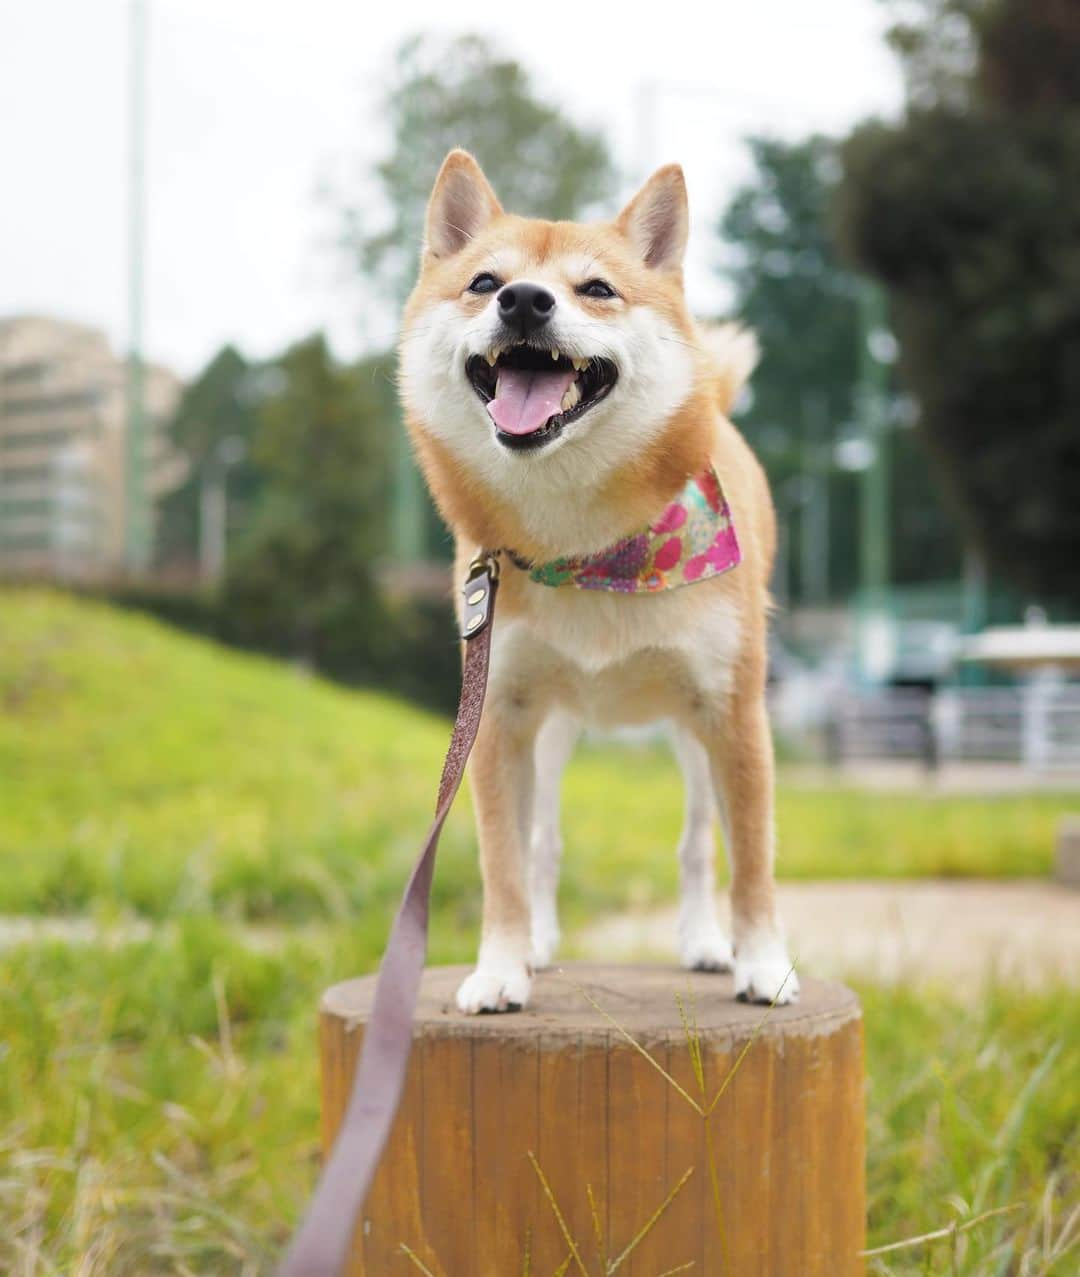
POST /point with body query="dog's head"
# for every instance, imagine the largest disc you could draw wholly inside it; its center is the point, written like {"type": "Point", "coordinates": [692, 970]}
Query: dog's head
{"type": "Point", "coordinates": [548, 348]}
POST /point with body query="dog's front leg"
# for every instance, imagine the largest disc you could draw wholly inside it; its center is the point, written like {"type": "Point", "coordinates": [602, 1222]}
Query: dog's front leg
{"type": "Point", "coordinates": [739, 743]}
{"type": "Point", "coordinates": [502, 777]}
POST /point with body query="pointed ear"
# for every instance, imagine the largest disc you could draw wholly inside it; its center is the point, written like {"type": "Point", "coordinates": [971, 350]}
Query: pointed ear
{"type": "Point", "coordinates": [657, 219]}
{"type": "Point", "coordinates": [462, 203]}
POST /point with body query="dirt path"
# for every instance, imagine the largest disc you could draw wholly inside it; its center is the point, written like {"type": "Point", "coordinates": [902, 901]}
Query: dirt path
{"type": "Point", "coordinates": [949, 932]}
{"type": "Point", "coordinates": [959, 932]}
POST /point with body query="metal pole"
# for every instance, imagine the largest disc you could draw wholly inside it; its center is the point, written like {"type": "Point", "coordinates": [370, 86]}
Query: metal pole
{"type": "Point", "coordinates": [824, 525]}
{"type": "Point", "coordinates": [212, 515]}
{"type": "Point", "coordinates": [214, 508]}
{"type": "Point", "coordinates": [408, 500]}
{"type": "Point", "coordinates": [407, 516]}
{"type": "Point", "coordinates": [137, 520]}
{"type": "Point", "coordinates": [976, 592]}
{"type": "Point", "coordinates": [873, 395]}
{"type": "Point", "coordinates": [814, 521]}
{"type": "Point", "coordinates": [877, 638]}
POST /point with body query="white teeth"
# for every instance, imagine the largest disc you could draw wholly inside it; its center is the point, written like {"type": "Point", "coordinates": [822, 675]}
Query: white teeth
{"type": "Point", "coordinates": [569, 400]}
{"type": "Point", "coordinates": [493, 354]}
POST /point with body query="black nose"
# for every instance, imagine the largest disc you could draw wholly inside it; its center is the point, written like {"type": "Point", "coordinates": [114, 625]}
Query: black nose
{"type": "Point", "coordinates": [526, 307]}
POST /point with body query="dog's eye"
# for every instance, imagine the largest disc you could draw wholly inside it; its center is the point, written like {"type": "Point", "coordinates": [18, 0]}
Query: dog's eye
{"type": "Point", "coordinates": [485, 282]}
{"type": "Point", "coordinates": [597, 288]}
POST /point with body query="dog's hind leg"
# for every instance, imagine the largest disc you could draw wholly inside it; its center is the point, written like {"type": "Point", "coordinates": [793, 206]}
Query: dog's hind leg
{"type": "Point", "coordinates": [739, 745]}
{"type": "Point", "coordinates": [702, 944]}
{"type": "Point", "coordinates": [554, 744]}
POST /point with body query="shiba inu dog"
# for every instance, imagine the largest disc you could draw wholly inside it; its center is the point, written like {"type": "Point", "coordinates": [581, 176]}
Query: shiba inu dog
{"type": "Point", "coordinates": [568, 411]}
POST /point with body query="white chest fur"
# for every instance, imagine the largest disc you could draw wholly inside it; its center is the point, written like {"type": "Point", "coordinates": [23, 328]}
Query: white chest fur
{"type": "Point", "coordinates": [613, 659]}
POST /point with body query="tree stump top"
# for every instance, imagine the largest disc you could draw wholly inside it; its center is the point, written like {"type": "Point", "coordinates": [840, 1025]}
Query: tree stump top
{"type": "Point", "coordinates": [642, 1000]}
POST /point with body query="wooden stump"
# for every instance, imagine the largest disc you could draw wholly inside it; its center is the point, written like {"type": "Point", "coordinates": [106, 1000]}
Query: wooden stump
{"type": "Point", "coordinates": [548, 1132]}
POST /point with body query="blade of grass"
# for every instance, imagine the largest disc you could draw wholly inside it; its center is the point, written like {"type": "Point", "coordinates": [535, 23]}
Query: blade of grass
{"type": "Point", "coordinates": [598, 1228]}
{"type": "Point", "coordinates": [752, 1039]}
{"type": "Point", "coordinates": [650, 1222]}
{"type": "Point", "coordinates": [1065, 1240]}
{"type": "Point", "coordinates": [950, 1230]}
{"type": "Point", "coordinates": [693, 1040]}
{"type": "Point", "coordinates": [639, 1048]}
{"type": "Point", "coordinates": [417, 1260]}
{"type": "Point", "coordinates": [558, 1214]}
{"type": "Point", "coordinates": [1006, 1139]}
{"type": "Point", "coordinates": [714, 1184]}
{"type": "Point", "coordinates": [229, 1061]}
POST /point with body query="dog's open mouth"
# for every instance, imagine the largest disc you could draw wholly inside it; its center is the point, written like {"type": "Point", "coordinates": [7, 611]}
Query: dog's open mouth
{"type": "Point", "coordinates": [532, 395]}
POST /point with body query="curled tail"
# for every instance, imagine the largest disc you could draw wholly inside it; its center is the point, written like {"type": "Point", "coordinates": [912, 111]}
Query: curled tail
{"type": "Point", "coordinates": [734, 353]}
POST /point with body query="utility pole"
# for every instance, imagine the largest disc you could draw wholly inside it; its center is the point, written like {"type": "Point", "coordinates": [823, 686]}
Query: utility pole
{"type": "Point", "coordinates": [976, 591]}
{"type": "Point", "coordinates": [137, 513]}
{"type": "Point", "coordinates": [408, 500]}
{"type": "Point", "coordinates": [214, 509]}
{"type": "Point", "coordinates": [876, 628]}
{"type": "Point", "coordinates": [408, 508]}
{"type": "Point", "coordinates": [816, 455]}
{"type": "Point", "coordinates": [873, 410]}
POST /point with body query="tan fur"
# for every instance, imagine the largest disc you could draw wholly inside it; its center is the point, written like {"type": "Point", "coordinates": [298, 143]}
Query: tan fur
{"type": "Point", "coordinates": [596, 657]}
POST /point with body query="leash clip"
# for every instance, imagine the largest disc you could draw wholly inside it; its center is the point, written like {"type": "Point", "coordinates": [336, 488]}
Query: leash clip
{"type": "Point", "coordinates": [479, 592]}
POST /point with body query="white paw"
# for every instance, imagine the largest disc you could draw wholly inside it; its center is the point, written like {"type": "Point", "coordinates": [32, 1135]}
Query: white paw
{"type": "Point", "coordinates": [763, 971]}
{"type": "Point", "coordinates": [545, 942]}
{"type": "Point", "coordinates": [495, 986]}
{"type": "Point", "coordinates": [704, 947]}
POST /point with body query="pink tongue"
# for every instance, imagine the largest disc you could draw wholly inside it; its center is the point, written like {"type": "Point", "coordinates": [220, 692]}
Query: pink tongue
{"type": "Point", "coordinates": [524, 400]}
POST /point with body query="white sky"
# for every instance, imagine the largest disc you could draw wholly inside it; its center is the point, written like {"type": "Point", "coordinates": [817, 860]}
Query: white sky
{"type": "Point", "coordinates": [254, 103]}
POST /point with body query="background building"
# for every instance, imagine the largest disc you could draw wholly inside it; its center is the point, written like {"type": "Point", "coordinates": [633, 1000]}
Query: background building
{"type": "Point", "coordinates": [63, 424]}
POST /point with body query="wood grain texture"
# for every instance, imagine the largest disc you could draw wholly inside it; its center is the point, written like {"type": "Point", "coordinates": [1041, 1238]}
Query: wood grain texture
{"type": "Point", "coordinates": [777, 1185]}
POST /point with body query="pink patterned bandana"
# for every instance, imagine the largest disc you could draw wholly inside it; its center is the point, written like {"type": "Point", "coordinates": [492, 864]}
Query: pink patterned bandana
{"type": "Point", "coordinates": [692, 540]}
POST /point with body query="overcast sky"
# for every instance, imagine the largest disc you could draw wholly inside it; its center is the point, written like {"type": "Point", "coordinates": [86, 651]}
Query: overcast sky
{"type": "Point", "coordinates": [255, 103]}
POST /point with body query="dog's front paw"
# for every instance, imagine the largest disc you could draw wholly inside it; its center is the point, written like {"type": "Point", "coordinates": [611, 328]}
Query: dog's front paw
{"type": "Point", "coordinates": [763, 972]}
{"type": "Point", "coordinates": [495, 986]}
{"type": "Point", "coordinates": [704, 947]}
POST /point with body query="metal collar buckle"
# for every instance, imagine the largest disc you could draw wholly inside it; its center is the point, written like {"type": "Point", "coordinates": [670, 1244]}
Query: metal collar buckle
{"type": "Point", "coordinates": [478, 591]}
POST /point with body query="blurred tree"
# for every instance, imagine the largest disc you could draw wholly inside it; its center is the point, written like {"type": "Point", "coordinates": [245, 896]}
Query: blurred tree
{"type": "Point", "coordinates": [965, 53]}
{"type": "Point", "coordinates": [218, 406]}
{"type": "Point", "coordinates": [792, 288]}
{"type": "Point", "coordinates": [968, 210]}
{"type": "Point", "coordinates": [300, 578]}
{"type": "Point", "coordinates": [461, 92]}
{"type": "Point", "coordinates": [303, 572]}
{"type": "Point", "coordinates": [446, 92]}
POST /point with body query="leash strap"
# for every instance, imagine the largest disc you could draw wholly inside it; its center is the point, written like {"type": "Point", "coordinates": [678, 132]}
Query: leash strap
{"type": "Point", "coordinates": [320, 1246]}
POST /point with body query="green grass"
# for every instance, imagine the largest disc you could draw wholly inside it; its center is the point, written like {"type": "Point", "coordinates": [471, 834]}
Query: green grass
{"type": "Point", "coordinates": [148, 771]}
{"type": "Point", "coordinates": [158, 1108]}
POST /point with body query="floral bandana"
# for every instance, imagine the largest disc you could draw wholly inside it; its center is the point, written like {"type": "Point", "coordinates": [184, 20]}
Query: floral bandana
{"type": "Point", "coordinates": [692, 540]}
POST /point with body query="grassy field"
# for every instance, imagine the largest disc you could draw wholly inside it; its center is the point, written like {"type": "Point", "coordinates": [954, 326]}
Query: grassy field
{"type": "Point", "coordinates": [157, 1095]}
{"type": "Point", "coordinates": [147, 771]}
